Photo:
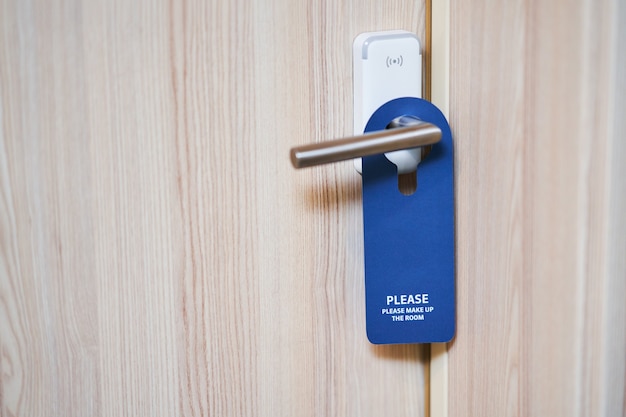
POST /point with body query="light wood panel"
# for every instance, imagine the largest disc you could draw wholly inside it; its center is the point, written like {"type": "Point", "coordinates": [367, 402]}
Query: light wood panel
{"type": "Point", "coordinates": [158, 254]}
{"type": "Point", "coordinates": [537, 108]}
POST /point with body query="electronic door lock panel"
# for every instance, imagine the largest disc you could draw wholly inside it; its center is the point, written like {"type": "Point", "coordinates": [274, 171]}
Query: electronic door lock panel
{"type": "Point", "coordinates": [408, 239]}
{"type": "Point", "coordinates": [386, 65]}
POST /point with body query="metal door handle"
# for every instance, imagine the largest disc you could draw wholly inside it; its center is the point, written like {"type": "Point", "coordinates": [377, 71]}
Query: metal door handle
{"type": "Point", "coordinates": [413, 133]}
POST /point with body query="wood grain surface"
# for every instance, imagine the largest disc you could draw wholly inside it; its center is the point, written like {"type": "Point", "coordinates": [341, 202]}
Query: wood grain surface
{"type": "Point", "coordinates": [537, 106]}
{"type": "Point", "coordinates": [158, 254]}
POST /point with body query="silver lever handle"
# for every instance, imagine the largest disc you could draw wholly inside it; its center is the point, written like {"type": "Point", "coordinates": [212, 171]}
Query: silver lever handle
{"type": "Point", "coordinates": [394, 139]}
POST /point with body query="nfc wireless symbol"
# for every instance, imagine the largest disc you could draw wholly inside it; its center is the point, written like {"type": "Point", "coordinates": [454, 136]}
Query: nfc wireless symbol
{"type": "Point", "coordinates": [394, 61]}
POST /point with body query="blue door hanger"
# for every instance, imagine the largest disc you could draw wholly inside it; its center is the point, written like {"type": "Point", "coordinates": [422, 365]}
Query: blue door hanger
{"type": "Point", "coordinates": [409, 240]}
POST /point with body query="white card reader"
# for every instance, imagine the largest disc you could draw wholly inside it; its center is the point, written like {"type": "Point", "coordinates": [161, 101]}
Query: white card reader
{"type": "Point", "coordinates": [387, 65]}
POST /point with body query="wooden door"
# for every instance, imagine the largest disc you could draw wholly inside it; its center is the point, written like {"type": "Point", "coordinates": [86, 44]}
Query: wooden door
{"type": "Point", "coordinates": [158, 254]}
{"type": "Point", "coordinates": [537, 106]}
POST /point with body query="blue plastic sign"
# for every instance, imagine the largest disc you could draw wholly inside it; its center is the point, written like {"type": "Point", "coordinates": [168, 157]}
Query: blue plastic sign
{"type": "Point", "coordinates": [409, 240]}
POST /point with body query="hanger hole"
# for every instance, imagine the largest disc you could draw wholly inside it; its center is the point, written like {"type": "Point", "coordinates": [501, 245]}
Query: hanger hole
{"type": "Point", "coordinates": [407, 183]}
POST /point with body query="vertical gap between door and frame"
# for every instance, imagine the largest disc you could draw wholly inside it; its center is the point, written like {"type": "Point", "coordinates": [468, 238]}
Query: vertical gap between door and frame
{"type": "Point", "coordinates": [436, 90]}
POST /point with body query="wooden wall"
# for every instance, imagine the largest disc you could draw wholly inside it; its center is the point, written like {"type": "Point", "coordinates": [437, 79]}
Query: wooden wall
{"type": "Point", "coordinates": [537, 105]}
